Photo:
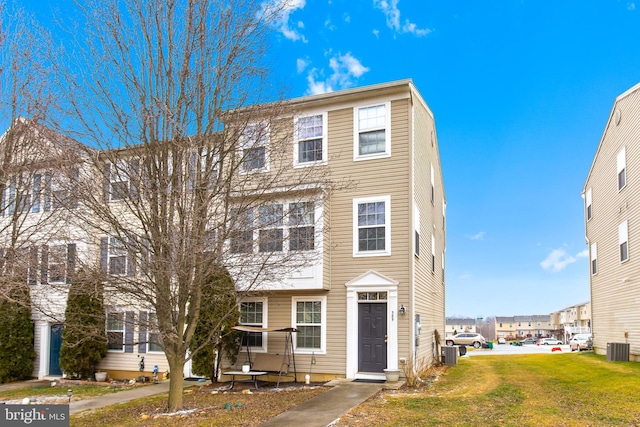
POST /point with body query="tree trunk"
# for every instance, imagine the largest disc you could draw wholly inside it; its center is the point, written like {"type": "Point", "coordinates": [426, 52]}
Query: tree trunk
{"type": "Point", "coordinates": [176, 383]}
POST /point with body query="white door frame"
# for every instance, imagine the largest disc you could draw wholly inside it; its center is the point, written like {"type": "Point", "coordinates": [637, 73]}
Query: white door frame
{"type": "Point", "coordinates": [371, 281]}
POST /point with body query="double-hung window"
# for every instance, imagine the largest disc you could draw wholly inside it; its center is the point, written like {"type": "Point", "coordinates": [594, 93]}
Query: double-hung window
{"type": "Point", "coordinates": [621, 166]}
{"type": "Point", "coordinates": [588, 203]}
{"type": "Point", "coordinates": [301, 226]}
{"type": "Point", "coordinates": [154, 338]}
{"type": "Point", "coordinates": [254, 148]}
{"type": "Point", "coordinates": [115, 330]}
{"type": "Point", "coordinates": [254, 313]}
{"type": "Point", "coordinates": [623, 241]}
{"type": "Point", "coordinates": [57, 258]}
{"type": "Point", "coordinates": [117, 256]}
{"type": "Point", "coordinates": [371, 226]}
{"type": "Point", "coordinates": [310, 144]}
{"type": "Point", "coordinates": [372, 136]}
{"type": "Point", "coordinates": [242, 232]}
{"type": "Point", "coordinates": [271, 233]}
{"type": "Point", "coordinates": [310, 319]}
{"type": "Point", "coordinates": [594, 258]}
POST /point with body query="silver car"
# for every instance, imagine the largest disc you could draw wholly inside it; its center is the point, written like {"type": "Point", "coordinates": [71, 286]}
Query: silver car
{"type": "Point", "coordinates": [581, 342]}
{"type": "Point", "coordinates": [466, 338]}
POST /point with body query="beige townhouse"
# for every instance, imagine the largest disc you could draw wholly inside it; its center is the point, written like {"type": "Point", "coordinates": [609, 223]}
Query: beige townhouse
{"type": "Point", "coordinates": [455, 325]}
{"type": "Point", "coordinates": [372, 297]}
{"type": "Point", "coordinates": [610, 193]}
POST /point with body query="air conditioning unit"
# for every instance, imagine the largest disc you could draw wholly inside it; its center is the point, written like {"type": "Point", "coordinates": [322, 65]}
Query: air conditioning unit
{"type": "Point", "coordinates": [617, 352]}
{"type": "Point", "coordinates": [449, 355]}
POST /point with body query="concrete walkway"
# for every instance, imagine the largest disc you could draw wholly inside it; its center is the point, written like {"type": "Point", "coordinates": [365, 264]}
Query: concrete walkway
{"type": "Point", "coordinates": [325, 408]}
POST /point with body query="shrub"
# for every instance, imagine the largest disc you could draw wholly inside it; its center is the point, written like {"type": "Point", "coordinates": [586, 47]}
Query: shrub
{"type": "Point", "coordinates": [84, 339]}
{"type": "Point", "coordinates": [17, 351]}
{"type": "Point", "coordinates": [213, 335]}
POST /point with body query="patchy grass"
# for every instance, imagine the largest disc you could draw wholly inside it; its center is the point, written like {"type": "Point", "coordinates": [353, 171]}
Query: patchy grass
{"type": "Point", "coordinates": [203, 407]}
{"type": "Point", "coordinates": [521, 390]}
{"type": "Point", "coordinates": [43, 392]}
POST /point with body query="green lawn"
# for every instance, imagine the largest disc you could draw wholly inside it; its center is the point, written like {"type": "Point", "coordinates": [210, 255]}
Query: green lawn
{"type": "Point", "coordinates": [520, 390]}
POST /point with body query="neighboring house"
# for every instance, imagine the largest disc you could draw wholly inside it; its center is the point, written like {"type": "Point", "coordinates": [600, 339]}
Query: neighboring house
{"type": "Point", "coordinates": [572, 320]}
{"type": "Point", "coordinates": [373, 298]}
{"type": "Point", "coordinates": [456, 325]}
{"type": "Point", "coordinates": [518, 327]}
{"type": "Point", "coordinates": [611, 193]}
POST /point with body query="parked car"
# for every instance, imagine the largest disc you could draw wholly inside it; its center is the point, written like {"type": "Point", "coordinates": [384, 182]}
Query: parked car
{"type": "Point", "coordinates": [581, 342]}
{"type": "Point", "coordinates": [466, 338]}
{"type": "Point", "coordinates": [501, 340]}
{"type": "Point", "coordinates": [549, 341]}
{"type": "Point", "coordinates": [529, 340]}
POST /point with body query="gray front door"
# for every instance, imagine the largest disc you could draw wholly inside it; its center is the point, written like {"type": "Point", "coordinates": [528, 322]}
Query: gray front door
{"type": "Point", "coordinates": [372, 337]}
{"type": "Point", "coordinates": [55, 343]}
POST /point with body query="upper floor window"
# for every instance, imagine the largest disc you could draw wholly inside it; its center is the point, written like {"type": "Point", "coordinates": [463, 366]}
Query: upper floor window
{"type": "Point", "coordinates": [116, 258]}
{"type": "Point", "coordinates": [416, 230]}
{"type": "Point", "coordinates": [594, 258]}
{"type": "Point", "coordinates": [433, 186]}
{"type": "Point", "coordinates": [254, 146]}
{"type": "Point", "coordinates": [242, 232]}
{"type": "Point", "coordinates": [301, 226]}
{"type": "Point", "coordinates": [623, 241]}
{"type": "Point", "coordinates": [119, 179]}
{"type": "Point", "coordinates": [372, 226]}
{"type": "Point", "coordinates": [310, 140]}
{"type": "Point", "coordinates": [372, 126]}
{"type": "Point", "coordinates": [621, 164]}
{"type": "Point", "coordinates": [271, 233]}
{"type": "Point", "coordinates": [588, 204]}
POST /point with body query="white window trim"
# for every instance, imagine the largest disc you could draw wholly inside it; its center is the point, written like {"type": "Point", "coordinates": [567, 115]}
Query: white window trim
{"type": "Point", "coordinates": [124, 328]}
{"type": "Point", "coordinates": [356, 133]}
{"type": "Point", "coordinates": [323, 324]}
{"type": "Point", "coordinates": [588, 213]}
{"type": "Point", "coordinates": [623, 237]}
{"type": "Point", "coordinates": [149, 331]}
{"type": "Point", "coordinates": [265, 318]}
{"type": "Point", "coordinates": [267, 143]}
{"type": "Point", "coordinates": [65, 262]}
{"type": "Point", "coordinates": [621, 165]}
{"type": "Point", "coordinates": [387, 226]}
{"type": "Point", "coordinates": [416, 229]}
{"type": "Point", "coordinates": [594, 257]}
{"type": "Point", "coordinates": [296, 162]}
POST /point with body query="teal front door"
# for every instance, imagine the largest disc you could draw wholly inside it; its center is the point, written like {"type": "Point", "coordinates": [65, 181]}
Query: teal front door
{"type": "Point", "coordinates": [55, 343]}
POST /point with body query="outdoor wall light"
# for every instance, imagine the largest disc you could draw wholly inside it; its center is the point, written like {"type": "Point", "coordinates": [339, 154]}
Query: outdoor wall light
{"type": "Point", "coordinates": [402, 310]}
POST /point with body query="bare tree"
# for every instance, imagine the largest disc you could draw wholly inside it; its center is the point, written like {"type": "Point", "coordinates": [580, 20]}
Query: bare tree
{"type": "Point", "coordinates": [194, 169]}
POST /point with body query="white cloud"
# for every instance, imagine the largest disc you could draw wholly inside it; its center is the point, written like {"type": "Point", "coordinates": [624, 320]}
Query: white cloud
{"type": "Point", "coordinates": [376, 33]}
{"type": "Point", "coordinates": [583, 254]}
{"type": "Point", "coordinates": [559, 259]}
{"type": "Point", "coordinates": [478, 236]}
{"type": "Point", "coordinates": [282, 22]}
{"type": "Point", "coordinates": [345, 69]}
{"type": "Point", "coordinates": [301, 64]}
{"type": "Point", "coordinates": [631, 6]}
{"type": "Point", "coordinates": [392, 15]}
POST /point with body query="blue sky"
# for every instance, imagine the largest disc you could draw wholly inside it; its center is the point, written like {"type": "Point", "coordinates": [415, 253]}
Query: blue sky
{"type": "Point", "coordinates": [521, 91]}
